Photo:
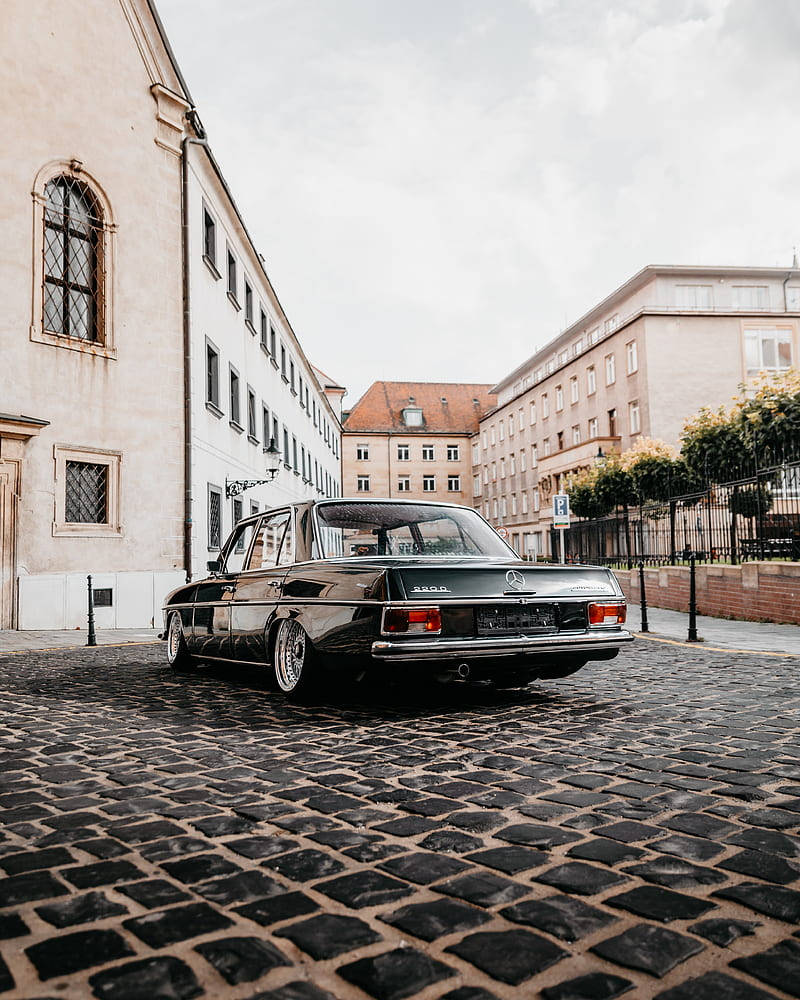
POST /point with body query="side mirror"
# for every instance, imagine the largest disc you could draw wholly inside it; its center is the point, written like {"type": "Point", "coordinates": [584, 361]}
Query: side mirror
{"type": "Point", "coordinates": [213, 565]}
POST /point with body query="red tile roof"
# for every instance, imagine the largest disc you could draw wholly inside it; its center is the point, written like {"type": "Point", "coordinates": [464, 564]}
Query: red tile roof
{"type": "Point", "coordinates": [447, 407]}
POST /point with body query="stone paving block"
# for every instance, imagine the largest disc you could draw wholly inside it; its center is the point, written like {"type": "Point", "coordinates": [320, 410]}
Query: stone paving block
{"type": "Point", "coordinates": [140, 833]}
{"type": "Point", "coordinates": [200, 868]}
{"type": "Point", "coordinates": [767, 867]}
{"type": "Point", "coordinates": [510, 860]}
{"type": "Point", "coordinates": [715, 986]}
{"type": "Point", "coordinates": [700, 825]}
{"type": "Point", "coordinates": [429, 921]}
{"type": "Point", "coordinates": [396, 974]}
{"type": "Point", "coordinates": [165, 927]}
{"type": "Point", "coordinates": [575, 876]}
{"type": "Point", "coordinates": [592, 986]}
{"type": "Point", "coordinates": [687, 848]}
{"type": "Point", "coordinates": [61, 956]}
{"type": "Point", "coordinates": [723, 931]}
{"type": "Point", "coordinates": [149, 979]}
{"type": "Point", "coordinates": [468, 993]}
{"type": "Point", "coordinates": [102, 873]}
{"type": "Point", "coordinates": [273, 909]}
{"type": "Point", "coordinates": [172, 847]}
{"type": "Point", "coordinates": [450, 841]}
{"type": "Point", "coordinates": [408, 826]}
{"type": "Point", "coordinates": [607, 852]}
{"type": "Point", "coordinates": [153, 893]}
{"type": "Point", "coordinates": [774, 819]}
{"type": "Point", "coordinates": [511, 957]}
{"type": "Point", "coordinates": [328, 935]}
{"type": "Point", "coordinates": [103, 847]}
{"type": "Point", "coordinates": [80, 910]}
{"type": "Point", "coordinates": [778, 966]}
{"type": "Point", "coordinates": [241, 887]}
{"type": "Point", "coordinates": [628, 832]}
{"type": "Point", "coordinates": [259, 846]}
{"type": "Point", "coordinates": [299, 990]}
{"type": "Point", "coordinates": [241, 959]}
{"type": "Point", "coordinates": [484, 888]}
{"type": "Point", "coordinates": [562, 916]}
{"type": "Point", "coordinates": [674, 873]}
{"type": "Point", "coordinates": [537, 835]}
{"type": "Point", "coordinates": [660, 904]}
{"type": "Point", "coordinates": [771, 900]}
{"type": "Point", "coordinates": [364, 888]}
{"type": "Point", "coordinates": [12, 926]}
{"type": "Point", "coordinates": [7, 981]}
{"type": "Point", "coordinates": [769, 841]}
{"type": "Point", "coordinates": [655, 950]}
{"type": "Point", "coordinates": [31, 886]}
{"type": "Point", "coordinates": [28, 861]}
{"type": "Point", "coordinates": [422, 868]}
{"type": "Point", "coordinates": [305, 865]}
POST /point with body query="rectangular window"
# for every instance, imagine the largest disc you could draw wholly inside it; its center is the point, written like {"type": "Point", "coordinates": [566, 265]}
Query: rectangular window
{"type": "Point", "coordinates": [534, 456]}
{"type": "Point", "coordinates": [295, 455]}
{"type": "Point", "coordinates": [476, 453]}
{"type": "Point", "coordinates": [562, 357]}
{"type": "Point", "coordinates": [577, 347]}
{"type": "Point", "coordinates": [252, 427]}
{"type": "Point", "coordinates": [291, 378]}
{"type": "Point", "coordinates": [264, 328]}
{"type": "Point", "coordinates": [546, 448]}
{"type": "Point", "coordinates": [362, 484]}
{"type": "Point", "coordinates": [500, 431]}
{"type": "Point", "coordinates": [522, 460]}
{"type": "Point", "coordinates": [238, 514]}
{"type": "Point", "coordinates": [524, 497]}
{"type": "Point", "coordinates": [300, 388]}
{"type": "Point", "coordinates": [492, 435]}
{"type": "Point", "coordinates": [591, 381]}
{"type": "Point", "coordinates": [750, 297]}
{"type": "Point", "coordinates": [694, 297]}
{"type": "Point", "coordinates": [559, 399]}
{"type": "Point", "coordinates": [611, 369]}
{"type": "Point", "coordinates": [545, 406]}
{"type": "Point", "coordinates": [209, 238]}
{"type": "Point", "coordinates": [535, 495]}
{"type": "Point", "coordinates": [767, 349]}
{"type": "Point", "coordinates": [632, 357]}
{"type": "Point", "coordinates": [494, 472]}
{"type": "Point", "coordinates": [611, 323]}
{"type": "Point", "coordinates": [362, 452]}
{"type": "Point", "coordinates": [287, 456]}
{"type": "Point", "coordinates": [502, 468]}
{"type": "Point", "coordinates": [212, 375]}
{"type": "Point", "coordinates": [283, 364]}
{"type": "Point", "coordinates": [633, 416]}
{"type": "Point", "coordinates": [511, 426]}
{"type": "Point", "coordinates": [533, 413]}
{"type": "Point", "coordinates": [214, 517]}
{"type": "Point", "coordinates": [428, 484]}
{"type": "Point", "coordinates": [276, 437]}
{"type": "Point", "coordinates": [484, 440]}
{"type": "Point", "coordinates": [265, 426]}
{"type": "Point", "coordinates": [253, 507]}
{"type": "Point", "coordinates": [272, 341]}
{"type": "Point", "coordinates": [512, 461]}
{"type": "Point", "coordinates": [612, 423]}
{"type": "Point", "coordinates": [454, 484]}
{"type": "Point", "coordinates": [521, 418]}
{"type": "Point", "coordinates": [86, 493]}
{"type": "Point", "coordinates": [560, 440]}
{"type": "Point", "coordinates": [233, 284]}
{"type": "Point", "coordinates": [427, 453]}
{"type": "Point", "coordinates": [576, 434]}
{"type": "Point", "coordinates": [513, 504]}
{"type": "Point", "coordinates": [248, 304]}
{"type": "Point", "coordinates": [234, 397]}
{"type": "Point", "coordinates": [452, 453]}
{"type": "Point", "coordinates": [476, 486]}
{"type": "Point", "coordinates": [404, 484]}
{"type": "Point", "coordinates": [573, 390]}
{"type": "Point", "coordinates": [793, 298]}
{"type": "Point", "coordinates": [593, 428]}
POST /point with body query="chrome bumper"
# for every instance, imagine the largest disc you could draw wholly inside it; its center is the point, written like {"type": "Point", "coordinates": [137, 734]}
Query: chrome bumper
{"type": "Point", "coordinates": [470, 649]}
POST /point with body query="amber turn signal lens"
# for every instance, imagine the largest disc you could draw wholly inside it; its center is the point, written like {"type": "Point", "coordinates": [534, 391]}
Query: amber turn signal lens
{"type": "Point", "coordinates": [412, 620]}
{"type": "Point", "coordinates": [607, 613]}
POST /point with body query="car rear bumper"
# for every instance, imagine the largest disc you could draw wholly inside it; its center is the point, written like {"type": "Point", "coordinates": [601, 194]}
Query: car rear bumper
{"type": "Point", "coordinates": [514, 646]}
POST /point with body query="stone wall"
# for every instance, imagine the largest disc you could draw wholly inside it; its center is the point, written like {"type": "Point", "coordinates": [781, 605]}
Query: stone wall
{"type": "Point", "coordinates": [755, 591]}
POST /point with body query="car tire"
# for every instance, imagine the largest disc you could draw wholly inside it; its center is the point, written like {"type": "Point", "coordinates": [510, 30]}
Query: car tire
{"type": "Point", "coordinates": [293, 657]}
{"type": "Point", "coordinates": [177, 651]}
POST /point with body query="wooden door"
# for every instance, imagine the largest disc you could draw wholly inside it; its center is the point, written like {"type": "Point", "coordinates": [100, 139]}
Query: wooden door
{"type": "Point", "coordinates": [8, 542]}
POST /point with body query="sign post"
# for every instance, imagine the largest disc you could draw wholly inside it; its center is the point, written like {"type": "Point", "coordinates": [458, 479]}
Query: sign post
{"type": "Point", "coordinates": [561, 517]}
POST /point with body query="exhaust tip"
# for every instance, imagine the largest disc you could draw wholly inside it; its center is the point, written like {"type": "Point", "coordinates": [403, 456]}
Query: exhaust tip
{"type": "Point", "coordinates": [463, 671]}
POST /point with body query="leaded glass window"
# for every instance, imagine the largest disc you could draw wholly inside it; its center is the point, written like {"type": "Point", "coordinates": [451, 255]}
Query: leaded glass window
{"type": "Point", "coordinates": [86, 495]}
{"type": "Point", "coordinates": [73, 227]}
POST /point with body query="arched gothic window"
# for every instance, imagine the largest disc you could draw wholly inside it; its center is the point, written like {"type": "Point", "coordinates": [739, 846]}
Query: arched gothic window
{"type": "Point", "coordinates": [73, 261]}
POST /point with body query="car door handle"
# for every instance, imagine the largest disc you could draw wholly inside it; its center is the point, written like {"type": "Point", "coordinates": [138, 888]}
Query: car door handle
{"type": "Point", "coordinates": [274, 583]}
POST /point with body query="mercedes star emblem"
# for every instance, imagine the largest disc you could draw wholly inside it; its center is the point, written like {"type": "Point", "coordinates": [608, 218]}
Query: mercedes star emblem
{"type": "Point", "coordinates": [515, 580]}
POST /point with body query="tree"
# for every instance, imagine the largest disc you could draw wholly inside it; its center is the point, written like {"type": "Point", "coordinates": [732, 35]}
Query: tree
{"type": "Point", "coordinates": [712, 446]}
{"type": "Point", "coordinates": [769, 420]}
{"type": "Point", "coordinates": [751, 502]}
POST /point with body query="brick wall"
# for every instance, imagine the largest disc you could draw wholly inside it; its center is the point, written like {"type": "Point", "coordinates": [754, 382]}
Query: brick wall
{"type": "Point", "coordinates": [756, 591]}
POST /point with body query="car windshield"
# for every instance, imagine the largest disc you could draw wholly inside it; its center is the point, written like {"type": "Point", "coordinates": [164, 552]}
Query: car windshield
{"type": "Point", "coordinates": [351, 528]}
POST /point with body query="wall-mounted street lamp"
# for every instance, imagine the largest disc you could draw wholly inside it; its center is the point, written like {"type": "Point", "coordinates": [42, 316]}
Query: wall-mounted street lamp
{"type": "Point", "coordinates": [272, 454]}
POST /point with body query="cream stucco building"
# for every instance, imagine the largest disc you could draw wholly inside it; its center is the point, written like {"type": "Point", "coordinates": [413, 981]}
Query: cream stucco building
{"type": "Point", "coordinates": [146, 359]}
{"type": "Point", "coordinates": [668, 341]}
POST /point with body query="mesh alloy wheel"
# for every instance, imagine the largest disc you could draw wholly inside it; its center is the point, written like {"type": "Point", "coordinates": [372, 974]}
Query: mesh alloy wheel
{"type": "Point", "coordinates": [292, 650]}
{"type": "Point", "coordinates": [177, 653]}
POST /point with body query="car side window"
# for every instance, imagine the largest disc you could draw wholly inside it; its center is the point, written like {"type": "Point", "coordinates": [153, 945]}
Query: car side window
{"type": "Point", "coordinates": [286, 557]}
{"type": "Point", "coordinates": [237, 548]}
{"type": "Point", "coordinates": [267, 543]}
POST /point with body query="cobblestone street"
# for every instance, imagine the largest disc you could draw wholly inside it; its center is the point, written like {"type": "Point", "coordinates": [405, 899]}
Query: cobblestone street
{"type": "Point", "coordinates": [631, 830]}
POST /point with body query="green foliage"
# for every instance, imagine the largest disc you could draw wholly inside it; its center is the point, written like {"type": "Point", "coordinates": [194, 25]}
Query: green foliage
{"type": "Point", "coordinates": [659, 477]}
{"type": "Point", "coordinates": [746, 502]}
{"type": "Point", "coordinates": [770, 419]}
{"type": "Point", "coordinates": [712, 446]}
{"type": "Point", "coordinates": [585, 503]}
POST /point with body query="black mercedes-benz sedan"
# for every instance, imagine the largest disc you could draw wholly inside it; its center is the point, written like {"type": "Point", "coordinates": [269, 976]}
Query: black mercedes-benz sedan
{"type": "Point", "coordinates": [351, 586]}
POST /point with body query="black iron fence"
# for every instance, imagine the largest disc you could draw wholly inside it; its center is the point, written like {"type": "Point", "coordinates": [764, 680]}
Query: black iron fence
{"type": "Point", "coordinates": [754, 517]}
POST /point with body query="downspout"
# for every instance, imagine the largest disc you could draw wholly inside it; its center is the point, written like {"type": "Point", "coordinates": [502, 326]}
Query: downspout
{"type": "Point", "coordinates": [187, 344]}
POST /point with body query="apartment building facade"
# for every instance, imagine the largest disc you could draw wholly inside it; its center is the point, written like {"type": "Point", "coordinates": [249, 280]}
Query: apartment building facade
{"type": "Point", "coordinates": [251, 385]}
{"type": "Point", "coordinates": [668, 341]}
{"type": "Point", "coordinates": [412, 440]}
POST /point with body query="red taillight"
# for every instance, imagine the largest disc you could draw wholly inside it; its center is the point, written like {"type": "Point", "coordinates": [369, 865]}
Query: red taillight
{"type": "Point", "coordinates": [608, 613]}
{"type": "Point", "coordinates": [412, 620]}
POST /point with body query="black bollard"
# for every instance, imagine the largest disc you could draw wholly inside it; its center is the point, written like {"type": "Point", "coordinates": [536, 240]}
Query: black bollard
{"type": "Point", "coordinates": [91, 638]}
{"type": "Point", "coordinates": [692, 637]}
{"type": "Point", "coordinates": [643, 597]}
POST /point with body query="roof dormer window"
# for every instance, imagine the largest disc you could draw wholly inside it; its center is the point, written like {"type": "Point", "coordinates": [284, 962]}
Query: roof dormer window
{"type": "Point", "coordinates": [412, 416]}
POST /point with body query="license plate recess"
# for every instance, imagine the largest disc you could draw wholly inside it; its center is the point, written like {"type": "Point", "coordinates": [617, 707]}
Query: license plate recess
{"type": "Point", "coordinates": [516, 619]}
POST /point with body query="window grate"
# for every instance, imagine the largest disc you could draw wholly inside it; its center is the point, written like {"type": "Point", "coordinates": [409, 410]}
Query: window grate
{"type": "Point", "coordinates": [86, 493]}
{"type": "Point", "coordinates": [102, 597]}
{"type": "Point", "coordinates": [73, 228]}
{"type": "Point", "coordinates": [214, 519]}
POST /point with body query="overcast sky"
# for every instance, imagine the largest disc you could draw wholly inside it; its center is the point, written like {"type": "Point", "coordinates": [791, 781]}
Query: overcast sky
{"type": "Point", "coordinates": [440, 186]}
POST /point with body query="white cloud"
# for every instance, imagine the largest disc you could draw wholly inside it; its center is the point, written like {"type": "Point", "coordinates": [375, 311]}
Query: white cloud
{"type": "Point", "coordinates": [439, 188]}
